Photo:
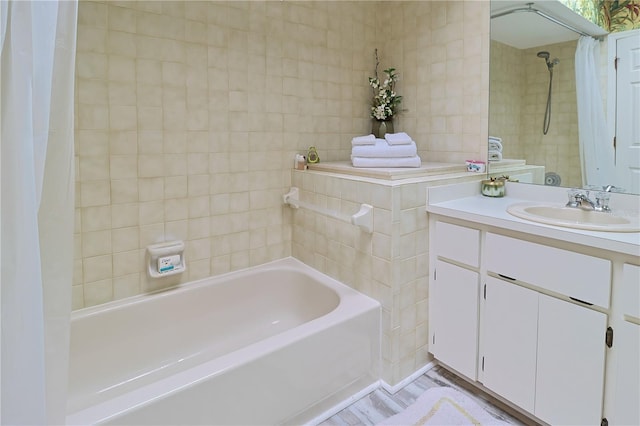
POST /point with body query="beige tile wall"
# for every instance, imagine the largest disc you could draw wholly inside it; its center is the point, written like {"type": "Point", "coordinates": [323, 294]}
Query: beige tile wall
{"type": "Point", "coordinates": [442, 51]}
{"type": "Point", "coordinates": [558, 150]}
{"type": "Point", "coordinates": [505, 99]}
{"type": "Point", "coordinates": [189, 113]}
{"type": "Point", "coordinates": [188, 117]}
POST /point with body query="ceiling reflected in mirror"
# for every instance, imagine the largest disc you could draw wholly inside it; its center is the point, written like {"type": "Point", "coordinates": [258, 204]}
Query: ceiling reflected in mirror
{"type": "Point", "coordinates": [524, 24]}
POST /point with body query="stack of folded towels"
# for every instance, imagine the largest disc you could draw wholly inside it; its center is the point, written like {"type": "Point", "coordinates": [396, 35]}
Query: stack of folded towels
{"type": "Point", "coordinates": [395, 150]}
{"type": "Point", "coordinates": [495, 148]}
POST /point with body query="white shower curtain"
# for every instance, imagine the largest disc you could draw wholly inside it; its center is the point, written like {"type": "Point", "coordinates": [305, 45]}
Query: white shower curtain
{"type": "Point", "coordinates": [38, 43]}
{"type": "Point", "coordinates": [596, 150]}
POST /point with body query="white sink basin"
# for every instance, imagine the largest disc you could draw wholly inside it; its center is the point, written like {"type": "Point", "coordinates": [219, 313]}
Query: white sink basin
{"type": "Point", "coordinates": [570, 217]}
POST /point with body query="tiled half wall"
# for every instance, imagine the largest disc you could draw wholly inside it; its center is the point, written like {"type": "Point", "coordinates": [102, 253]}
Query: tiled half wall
{"type": "Point", "coordinates": [391, 264]}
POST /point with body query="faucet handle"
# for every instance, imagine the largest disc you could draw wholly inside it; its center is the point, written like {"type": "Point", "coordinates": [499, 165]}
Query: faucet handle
{"type": "Point", "coordinates": [573, 197]}
{"type": "Point", "coordinates": [602, 201]}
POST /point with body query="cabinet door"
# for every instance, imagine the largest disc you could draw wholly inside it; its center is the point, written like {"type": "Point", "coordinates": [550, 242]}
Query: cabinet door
{"type": "Point", "coordinates": [509, 334]}
{"type": "Point", "coordinates": [454, 325]}
{"type": "Point", "coordinates": [570, 372]}
{"type": "Point", "coordinates": [627, 388]}
{"type": "Point", "coordinates": [626, 344]}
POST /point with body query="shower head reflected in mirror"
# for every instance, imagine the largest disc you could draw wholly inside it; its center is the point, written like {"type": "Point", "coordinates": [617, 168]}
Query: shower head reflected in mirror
{"type": "Point", "coordinates": [550, 63]}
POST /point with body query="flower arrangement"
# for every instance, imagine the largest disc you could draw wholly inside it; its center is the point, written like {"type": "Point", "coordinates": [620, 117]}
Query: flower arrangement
{"type": "Point", "coordinates": [385, 100]}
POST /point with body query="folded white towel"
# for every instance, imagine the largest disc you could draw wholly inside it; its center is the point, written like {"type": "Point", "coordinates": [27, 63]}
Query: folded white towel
{"type": "Point", "coordinates": [495, 156]}
{"type": "Point", "coordinates": [363, 140]}
{"type": "Point", "coordinates": [397, 138]}
{"type": "Point", "coordinates": [495, 145]}
{"type": "Point", "coordinates": [383, 150]}
{"type": "Point", "coordinates": [495, 138]}
{"type": "Point", "coordinates": [386, 162]}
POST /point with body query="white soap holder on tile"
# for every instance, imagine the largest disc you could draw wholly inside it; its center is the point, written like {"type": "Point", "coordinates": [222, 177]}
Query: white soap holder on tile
{"type": "Point", "coordinates": [165, 259]}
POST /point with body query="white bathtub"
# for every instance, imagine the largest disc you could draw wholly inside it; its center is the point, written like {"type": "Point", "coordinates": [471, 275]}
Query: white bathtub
{"type": "Point", "coordinates": [275, 344]}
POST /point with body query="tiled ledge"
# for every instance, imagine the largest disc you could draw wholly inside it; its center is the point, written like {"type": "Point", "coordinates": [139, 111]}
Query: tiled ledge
{"type": "Point", "coordinates": [389, 173]}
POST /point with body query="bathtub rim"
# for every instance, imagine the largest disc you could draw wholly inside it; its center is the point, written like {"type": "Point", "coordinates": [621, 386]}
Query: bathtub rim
{"type": "Point", "coordinates": [288, 262]}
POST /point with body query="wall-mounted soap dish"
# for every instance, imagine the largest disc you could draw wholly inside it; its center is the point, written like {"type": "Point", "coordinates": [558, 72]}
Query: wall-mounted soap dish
{"type": "Point", "coordinates": [165, 259]}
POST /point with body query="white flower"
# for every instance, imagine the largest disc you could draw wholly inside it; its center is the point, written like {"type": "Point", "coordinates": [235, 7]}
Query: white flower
{"type": "Point", "coordinates": [379, 112]}
{"type": "Point", "coordinates": [385, 99]}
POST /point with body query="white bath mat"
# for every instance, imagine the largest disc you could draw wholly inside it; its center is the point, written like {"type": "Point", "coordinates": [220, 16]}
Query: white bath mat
{"type": "Point", "coordinates": [443, 406]}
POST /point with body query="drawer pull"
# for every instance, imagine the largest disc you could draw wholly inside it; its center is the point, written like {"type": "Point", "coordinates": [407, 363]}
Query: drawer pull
{"type": "Point", "coordinates": [580, 301]}
{"type": "Point", "coordinates": [506, 277]}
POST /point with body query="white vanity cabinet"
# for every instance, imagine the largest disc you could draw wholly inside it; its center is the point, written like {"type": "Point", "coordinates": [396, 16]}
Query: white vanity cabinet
{"type": "Point", "coordinates": [453, 291]}
{"type": "Point", "coordinates": [627, 346]}
{"type": "Point", "coordinates": [526, 320]}
{"type": "Point", "coordinates": [558, 315]}
{"type": "Point", "coordinates": [548, 355]}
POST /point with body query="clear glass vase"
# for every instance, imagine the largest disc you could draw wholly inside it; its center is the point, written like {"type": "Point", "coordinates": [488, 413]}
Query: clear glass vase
{"type": "Point", "coordinates": [380, 127]}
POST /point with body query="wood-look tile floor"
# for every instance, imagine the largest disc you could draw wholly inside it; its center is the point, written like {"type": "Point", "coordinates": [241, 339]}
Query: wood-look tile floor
{"type": "Point", "coordinates": [380, 404]}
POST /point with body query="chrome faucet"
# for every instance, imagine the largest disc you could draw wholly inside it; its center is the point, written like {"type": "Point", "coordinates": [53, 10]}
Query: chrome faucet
{"type": "Point", "coordinates": [580, 199]}
{"type": "Point", "coordinates": [584, 202]}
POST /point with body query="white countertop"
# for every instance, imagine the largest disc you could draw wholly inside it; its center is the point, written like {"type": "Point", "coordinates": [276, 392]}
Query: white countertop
{"type": "Point", "coordinates": [464, 202]}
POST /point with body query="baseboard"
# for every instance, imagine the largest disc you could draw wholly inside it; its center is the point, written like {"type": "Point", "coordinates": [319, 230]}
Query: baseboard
{"type": "Point", "coordinates": [344, 404]}
{"type": "Point", "coordinates": [366, 391]}
{"type": "Point", "coordinates": [404, 382]}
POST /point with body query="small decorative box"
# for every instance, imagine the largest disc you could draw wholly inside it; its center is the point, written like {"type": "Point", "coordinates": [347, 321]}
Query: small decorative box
{"type": "Point", "coordinates": [475, 166]}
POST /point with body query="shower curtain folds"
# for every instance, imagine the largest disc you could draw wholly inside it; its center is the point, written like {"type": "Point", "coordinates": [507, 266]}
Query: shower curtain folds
{"type": "Point", "coordinates": [596, 150]}
{"type": "Point", "coordinates": [37, 53]}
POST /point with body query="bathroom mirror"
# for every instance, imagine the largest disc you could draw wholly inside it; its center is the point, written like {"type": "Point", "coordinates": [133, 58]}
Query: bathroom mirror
{"type": "Point", "coordinates": [532, 62]}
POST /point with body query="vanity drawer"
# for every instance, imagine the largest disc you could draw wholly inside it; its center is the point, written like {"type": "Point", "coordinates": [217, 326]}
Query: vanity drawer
{"type": "Point", "coordinates": [631, 290]}
{"type": "Point", "coordinates": [458, 243]}
{"type": "Point", "coordinates": [585, 278]}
